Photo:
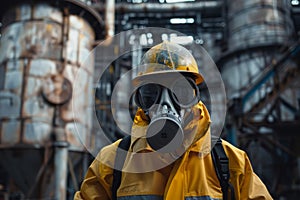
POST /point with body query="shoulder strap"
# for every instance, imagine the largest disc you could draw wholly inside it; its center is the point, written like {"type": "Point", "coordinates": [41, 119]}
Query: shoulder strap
{"type": "Point", "coordinates": [119, 162]}
{"type": "Point", "coordinates": [221, 164]}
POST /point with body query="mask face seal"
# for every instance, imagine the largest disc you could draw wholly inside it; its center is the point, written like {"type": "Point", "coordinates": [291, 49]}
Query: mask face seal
{"type": "Point", "coordinates": [163, 106]}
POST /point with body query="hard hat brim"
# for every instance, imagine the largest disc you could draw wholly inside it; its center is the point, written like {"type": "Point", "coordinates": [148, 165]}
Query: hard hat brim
{"type": "Point", "coordinates": [166, 76]}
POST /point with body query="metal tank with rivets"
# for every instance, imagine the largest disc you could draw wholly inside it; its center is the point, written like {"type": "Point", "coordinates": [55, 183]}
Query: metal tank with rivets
{"type": "Point", "coordinates": [43, 45]}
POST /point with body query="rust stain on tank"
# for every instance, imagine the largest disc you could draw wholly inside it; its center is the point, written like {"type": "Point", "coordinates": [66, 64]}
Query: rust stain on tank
{"type": "Point", "coordinates": [35, 38]}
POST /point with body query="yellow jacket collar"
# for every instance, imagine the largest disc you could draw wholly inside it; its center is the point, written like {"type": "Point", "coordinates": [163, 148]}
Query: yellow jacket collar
{"type": "Point", "coordinates": [199, 125]}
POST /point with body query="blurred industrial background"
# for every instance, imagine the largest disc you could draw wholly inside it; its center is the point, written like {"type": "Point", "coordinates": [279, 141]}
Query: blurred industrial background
{"type": "Point", "coordinates": [255, 45]}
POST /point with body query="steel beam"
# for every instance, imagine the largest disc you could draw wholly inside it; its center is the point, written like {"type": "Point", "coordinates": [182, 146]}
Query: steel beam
{"type": "Point", "coordinates": [205, 6]}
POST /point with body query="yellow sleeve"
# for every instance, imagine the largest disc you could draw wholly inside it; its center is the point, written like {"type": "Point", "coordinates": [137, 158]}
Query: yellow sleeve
{"type": "Point", "coordinates": [98, 179]}
{"type": "Point", "coordinates": [93, 186]}
{"type": "Point", "coordinates": [251, 186]}
{"type": "Point", "coordinates": [246, 183]}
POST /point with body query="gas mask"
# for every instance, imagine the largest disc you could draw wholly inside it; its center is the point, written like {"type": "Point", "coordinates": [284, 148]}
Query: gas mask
{"type": "Point", "coordinates": [167, 107]}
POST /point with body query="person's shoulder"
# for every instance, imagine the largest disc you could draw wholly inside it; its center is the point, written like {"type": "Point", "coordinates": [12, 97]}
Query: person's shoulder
{"type": "Point", "coordinates": [107, 154]}
{"type": "Point", "coordinates": [230, 147]}
{"type": "Point", "coordinates": [237, 157]}
{"type": "Point", "coordinates": [111, 147]}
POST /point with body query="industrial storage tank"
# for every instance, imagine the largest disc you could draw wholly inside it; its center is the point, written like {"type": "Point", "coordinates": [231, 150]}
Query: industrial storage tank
{"type": "Point", "coordinates": [258, 23]}
{"type": "Point", "coordinates": [257, 69]}
{"type": "Point", "coordinates": [43, 45]}
{"type": "Point", "coordinates": [258, 32]}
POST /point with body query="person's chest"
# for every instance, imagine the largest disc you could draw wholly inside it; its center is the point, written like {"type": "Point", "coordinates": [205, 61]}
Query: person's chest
{"type": "Point", "coordinates": [192, 178]}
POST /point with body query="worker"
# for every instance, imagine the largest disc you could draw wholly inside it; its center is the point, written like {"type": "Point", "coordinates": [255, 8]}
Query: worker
{"type": "Point", "coordinates": [169, 154]}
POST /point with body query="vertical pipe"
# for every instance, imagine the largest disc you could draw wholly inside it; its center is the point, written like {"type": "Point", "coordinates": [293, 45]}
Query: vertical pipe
{"type": "Point", "coordinates": [61, 155]}
{"type": "Point", "coordinates": [85, 162]}
{"type": "Point", "coordinates": [110, 18]}
{"type": "Point", "coordinates": [60, 165]}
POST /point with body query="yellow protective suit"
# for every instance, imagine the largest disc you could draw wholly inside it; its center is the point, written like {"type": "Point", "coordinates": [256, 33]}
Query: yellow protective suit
{"type": "Point", "coordinates": [191, 177]}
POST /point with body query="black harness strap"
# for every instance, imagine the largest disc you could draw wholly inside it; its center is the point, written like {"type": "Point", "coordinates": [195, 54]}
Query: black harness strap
{"type": "Point", "coordinates": [119, 162]}
{"type": "Point", "coordinates": [221, 164]}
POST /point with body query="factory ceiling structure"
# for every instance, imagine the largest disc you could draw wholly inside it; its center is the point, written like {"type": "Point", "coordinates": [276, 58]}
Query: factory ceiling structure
{"type": "Point", "coordinates": [45, 149]}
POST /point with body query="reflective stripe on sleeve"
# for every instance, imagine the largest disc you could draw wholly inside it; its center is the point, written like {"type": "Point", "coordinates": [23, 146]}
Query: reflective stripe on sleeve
{"type": "Point", "coordinates": [200, 198]}
{"type": "Point", "coordinates": [156, 197]}
{"type": "Point", "coordinates": [141, 197]}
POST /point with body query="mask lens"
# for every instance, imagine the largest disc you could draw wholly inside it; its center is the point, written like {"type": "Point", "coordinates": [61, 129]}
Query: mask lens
{"type": "Point", "coordinates": [185, 92]}
{"type": "Point", "coordinates": [147, 95]}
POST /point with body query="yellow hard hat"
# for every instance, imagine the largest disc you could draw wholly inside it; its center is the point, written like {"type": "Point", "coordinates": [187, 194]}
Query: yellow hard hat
{"type": "Point", "coordinates": [168, 57]}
